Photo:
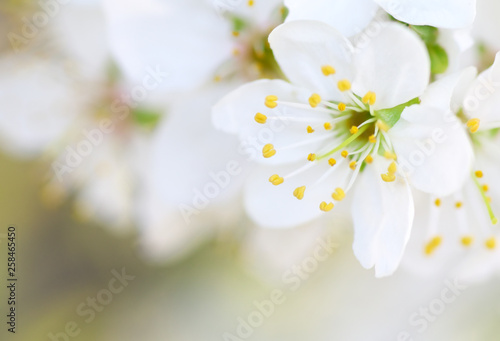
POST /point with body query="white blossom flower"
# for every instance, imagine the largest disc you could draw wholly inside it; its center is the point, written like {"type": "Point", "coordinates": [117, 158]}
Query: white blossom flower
{"type": "Point", "coordinates": [194, 40]}
{"type": "Point", "coordinates": [327, 131]}
{"type": "Point", "coordinates": [466, 219]}
{"type": "Point", "coordinates": [352, 16]}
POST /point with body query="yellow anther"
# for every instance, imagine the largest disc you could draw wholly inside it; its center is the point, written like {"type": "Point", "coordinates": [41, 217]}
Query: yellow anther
{"type": "Point", "coordinates": [268, 151]}
{"type": "Point", "coordinates": [352, 165]}
{"type": "Point", "coordinates": [338, 195]}
{"type": "Point", "coordinates": [369, 159]}
{"type": "Point", "coordinates": [473, 125]}
{"type": "Point", "coordinates": [390, 155]}
{"type": "Point", "coordinates": [459, 204]}
{"type": "Point", "coordinates": [314, 100]}
{"type": "Point", "coordinates": [432, 245]}
{"type": "Point", "coordinates": [370, 98]}
{"type": "Point", "coordinates": [372, 139]}
{"type": "Point", "coordinates": [486, 188]}
{"type": "Point", "coordinates": [382, 126]}
{"type": "Point", "coordinates": [276, 180]}
{"type": "Point", "coordinates": [332, 162]}
{"type": "Point", "coordinates": [310, 130]}
{"type": "Point", "coordinates": [299, 192]}
{"type": "Point", "coordinates": [250, 3]}
{"type": "Point", "coordinates": [236, 33]}
{"type": "Point", "coordinates": [260, 118]}
{"type": "Point", "coordinates": [354, 130]}
{"type": "Point", "coordinates": [311, 157]}
{"type": "Point", "coordinates": [344, 154]}
{"type": "Point", "coordinates": [393, 168]}
{"type": "Point", "coordinates": [271, 101]}
{"type": "Point", "coordinates": [388, 177]}
{"type": "Point", "coordinates": [328, 70]}
{"type": "Point", "coordinates": [326, 207]}
{"type": "Point", "coordinates": [437, 202]}
{"type": "Point", "coordinates": [236, 52]}
{"type": "Point", "coordinates": [217, 79]}
{"type": "Point", "coordinates": [491, 243]}
{"type": "Point", "coordinates": [327, 125]}
{"type": "Point", "coordinates": [479, 174]}
{"type": "Point", "coordinates": [467, 240]}
{"type": "Point", "coordinates": [341, 106]}
{"type": "Point", "coordinates": [344, 85]}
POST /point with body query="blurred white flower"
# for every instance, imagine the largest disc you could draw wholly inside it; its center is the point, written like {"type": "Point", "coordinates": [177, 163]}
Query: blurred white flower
{"type": "Point", "coordinates": [351, 16]}
{"type": "Point", "coordinates": [351, 127]}
{"type": "Point", "coordinates": [195, 40]}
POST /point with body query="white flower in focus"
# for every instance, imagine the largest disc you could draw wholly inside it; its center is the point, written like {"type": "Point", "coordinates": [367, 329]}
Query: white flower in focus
{"type": "Point", "coordinates": [351, 16]}
{"type": "Point", "coordinates": [326, 132]}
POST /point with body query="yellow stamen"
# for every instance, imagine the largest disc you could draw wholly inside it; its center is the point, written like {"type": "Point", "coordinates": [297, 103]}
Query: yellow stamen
{"type": "Point", "coordinates": [217, 79]}
{"type": "Point", "coordinates": [352, 165]}
{"type": "Point", "coordinates": [393, 168]}
{"type": "Point", "coordinates": [354, 130]}
{"type": "Point", "coordinates": [338, 195]}
{"type": "Point", "coordinates": [370, 98]}
{"type": "Point", "coordinates": [390, 155]}
{"type": "Point", "coordinates": [311, 157]}
{"type": "Point", "coordinates": [327, 126]}
{"type": "Point", "coordinates": [268, 151]}
{"type": "Point", "coordinates": [260, 118]}
{"type": "Point", "coordinates": [299, 192]}
{"type": "Point", "coordinates": [326, 207]}
{"type": "Point", "coordinates": [276, 180]}
{"type": "Point", "coordinates": [369, 159]}
{"type": "Point", "coordinates": [271, 101]}
{"type": "Point", "coordinates": [332, 162]}
{"type": "Point", "coordinates": [372, 139]}
{"type": "Point", "coordinates": [328, 70]}
{"type": "Point", "coordinates": [479, 174]}
{"type": "Point", "coordinates": [314, 100]}
{"type": "Point", "coordinates": [473, 125]}
{"type": "Point", "coordinates": [310, 130]}
{"type": "Point", "coordinates": [236, 33]}
{"type": "Point", "coordinates": [236, 52]}
{"type": "Point", "coordinates": [251, 3]}
{"type": "Point", "coordinates": [388, 177]}
{"type": "Point", "coordinates": [486, 188]}
{"type": "Point", "coordinates": [491, 243]}
{"type": "Point", "coordinates": [437, 202]}
{"type": "Point", "coordinates": [344, 85]}
{"type": "Point", "coordinates": [432, 245]}
{"type": "Point", "coordinates": [467, 241]}
{"type": "Point", "coordinates": [344, 154]}
{"type": "Point", "coordinates": [382, 126]}
{"type": "Point", "coordinates": [459, 204]}
{"type": "Point", "coordinates": [341, 106]}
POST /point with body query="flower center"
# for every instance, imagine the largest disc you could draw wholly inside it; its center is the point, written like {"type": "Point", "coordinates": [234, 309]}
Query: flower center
{"type": "Point", "coordinates": [344, 134]}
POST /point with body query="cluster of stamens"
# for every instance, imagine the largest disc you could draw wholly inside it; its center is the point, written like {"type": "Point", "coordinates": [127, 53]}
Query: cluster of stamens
{"type": "Point", "coordinates": [356, 134]}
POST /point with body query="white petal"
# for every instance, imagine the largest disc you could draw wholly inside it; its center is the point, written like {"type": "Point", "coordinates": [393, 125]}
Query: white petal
{"type": "Point", "coordinates": [303, 47]}
{"type": "Point", "coordinates": [146, 34]}
{"type": "Point", "coordinates": [449, 92]}
{"type": "Point", "coordinates": [276, 207]}
{"type": "Point", "coordinates": [383, 215]}
{"type": "Point", "coordinates": [483, 98]}
{"type": "Point", "coordinates": [433, 149]}
{"type": "Point", "coordinates": [486, 25]}
{"type": "Point", "coordinates": [349, 17]}
{"type": "Point", "coordinates": [394, 64]}
{"type": "Point", "coordinates": [438, 13]}
{"type": "Point", "coordinates": [263, 13]}
{"type": "Point", "coordinates": [235, 114]}
{"type": "Point", "coordinates": [188, 154]}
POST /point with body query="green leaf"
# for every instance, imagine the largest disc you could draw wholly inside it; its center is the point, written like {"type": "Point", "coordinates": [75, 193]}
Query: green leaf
{"type": "Point", "coordinates": [391, 116]}
{"type": "Point", "coordinates": [428, 34]}
{"type": "Point", "coordinates": [439, 58]}
{"type": "Point", "coordinates": [146, 118]}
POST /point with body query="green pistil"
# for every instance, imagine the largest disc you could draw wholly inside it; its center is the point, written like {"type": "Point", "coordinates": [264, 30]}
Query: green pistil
{"type": "Point", "coordinates": [347, 142]}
